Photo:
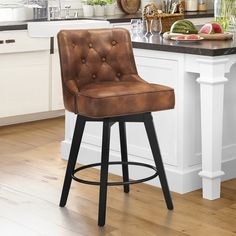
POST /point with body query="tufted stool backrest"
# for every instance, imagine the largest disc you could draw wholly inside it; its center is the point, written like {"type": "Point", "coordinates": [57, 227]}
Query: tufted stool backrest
{"type": "Point", "coordinates": [94, 56]}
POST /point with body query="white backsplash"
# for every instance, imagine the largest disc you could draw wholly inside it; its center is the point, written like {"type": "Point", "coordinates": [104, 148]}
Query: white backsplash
{"type": "Point", "coordinates": [210, 4]}
{"type": "Point", "coordinates": [75, 4]}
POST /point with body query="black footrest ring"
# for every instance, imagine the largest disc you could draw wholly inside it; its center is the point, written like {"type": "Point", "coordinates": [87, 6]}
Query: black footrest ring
{"type": "Point", "coordinates": [116, 183]}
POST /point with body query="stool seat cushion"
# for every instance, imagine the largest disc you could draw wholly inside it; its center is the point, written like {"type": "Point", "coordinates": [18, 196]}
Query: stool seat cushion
{"type": "Point", "coordinates": [108, 99]}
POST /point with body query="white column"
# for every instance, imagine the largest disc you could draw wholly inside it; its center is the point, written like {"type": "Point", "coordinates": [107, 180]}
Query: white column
{"type": "Point", "coordinates": [212, 71]}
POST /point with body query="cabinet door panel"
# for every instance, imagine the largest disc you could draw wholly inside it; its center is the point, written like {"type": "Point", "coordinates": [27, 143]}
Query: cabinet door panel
{"type": "Point", "coordinates": [165, 72]}
{"type": "Point", "coordinates": [57, 98]}
{"type": "Point", "coordinates": [24, 83]}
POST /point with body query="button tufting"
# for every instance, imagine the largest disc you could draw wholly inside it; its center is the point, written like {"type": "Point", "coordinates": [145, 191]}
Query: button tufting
{"type": "Point", "coordinates": [73, 45]}
{"type": "Point", "coordinates": [94, 76]}
{"type": "Point", "coordinates": [113, 42]}
{"type": "Point", "coordinates": [118, 74]}
{"type": "Point", "coordinates": [90, 45]}
{"type": "Point", "coordinates": [83, 60]}
{"type": "Point", "coordinates": [103, 59]}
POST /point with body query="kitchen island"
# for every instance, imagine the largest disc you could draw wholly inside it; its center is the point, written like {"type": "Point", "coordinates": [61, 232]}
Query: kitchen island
{"type": "Point", "coordinates": [193, 137]}
{"type": "Point", "coordinates": [210, 60]}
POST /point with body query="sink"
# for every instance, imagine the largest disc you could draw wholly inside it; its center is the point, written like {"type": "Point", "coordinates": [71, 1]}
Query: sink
{"type": "Point", "coordinates": [15, 13]}
{"type": "Point", "coordinates": [51, 28]}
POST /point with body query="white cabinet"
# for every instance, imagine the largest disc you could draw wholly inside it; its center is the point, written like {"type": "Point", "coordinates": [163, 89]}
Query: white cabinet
{"type": "Point", "coordinates": [161, 71]}
{"type": "Point", "coordinates": [24, 86]}
{"type": "Point", "coordinates": [24, 74]}
{"type": "Point", "coordinates": [56, 86]}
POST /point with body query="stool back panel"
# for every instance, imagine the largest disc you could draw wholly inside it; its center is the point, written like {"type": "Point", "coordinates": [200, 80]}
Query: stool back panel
{"type": "Point", "coordinates": [93, 56]}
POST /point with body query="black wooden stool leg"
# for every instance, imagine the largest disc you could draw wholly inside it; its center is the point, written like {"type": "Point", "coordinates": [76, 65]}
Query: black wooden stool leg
{"type": "Point", "coordinates": [104, 172]}
{"type": "Point", "coordinates": [76, 141]}
{"type": "Point", "coordinates": [150, 129]}
{"type": "Point", "coordinates": [124, 154]}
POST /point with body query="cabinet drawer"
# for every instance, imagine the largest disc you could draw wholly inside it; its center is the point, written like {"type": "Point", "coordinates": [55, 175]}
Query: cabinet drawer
{"type": "Point", "coordinates": [18, 41]}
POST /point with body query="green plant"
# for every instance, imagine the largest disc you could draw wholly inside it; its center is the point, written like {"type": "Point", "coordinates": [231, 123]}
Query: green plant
{"type": "Point", "coordinates": [224, 10]}
{"type": "Point", "coordinates": [110, 1]}
{"type": "Point", "coordinates": [88, 2]}
{"type": "Point", "coordinates": [100, 2]}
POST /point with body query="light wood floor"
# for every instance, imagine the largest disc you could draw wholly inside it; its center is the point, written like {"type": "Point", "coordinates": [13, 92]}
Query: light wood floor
{"type": "Point", "coordinates": [31, 177]}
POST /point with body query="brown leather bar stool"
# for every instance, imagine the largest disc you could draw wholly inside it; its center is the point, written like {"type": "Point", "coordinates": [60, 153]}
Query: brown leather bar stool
{"type": "Point", "coordinates": [101, 83]}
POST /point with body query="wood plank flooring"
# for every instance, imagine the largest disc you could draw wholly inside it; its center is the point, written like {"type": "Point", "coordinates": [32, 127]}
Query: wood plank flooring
{"type": "Point", "coordinates": [31, 177]}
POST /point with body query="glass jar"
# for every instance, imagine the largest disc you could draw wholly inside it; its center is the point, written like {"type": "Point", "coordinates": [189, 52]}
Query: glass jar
{"type": "Point", "coordinates": [191, 5]}
{"type": "Point", "coordinates": [157, 26]}
{"type": "Point", "coordinates": [202, 5]}
{"type": "Point", "coordinates": [225, 13]}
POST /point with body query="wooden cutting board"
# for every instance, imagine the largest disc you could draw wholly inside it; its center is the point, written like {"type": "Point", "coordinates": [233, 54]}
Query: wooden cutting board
{"type": "Point", "coordinates": [129, 6]}
{"type": "Point", "coordinates": [224, 36]}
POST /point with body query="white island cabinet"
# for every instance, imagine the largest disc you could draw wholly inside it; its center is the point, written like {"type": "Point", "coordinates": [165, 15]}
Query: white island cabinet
{"type": "Point", "coordinates": [198, 137]}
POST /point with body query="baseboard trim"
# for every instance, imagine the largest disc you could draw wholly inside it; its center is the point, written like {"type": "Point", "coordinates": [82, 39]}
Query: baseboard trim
{"type": "Point", "coordinates": [31, 117]}
{"type": "Point", "coordinates": [179, 181]}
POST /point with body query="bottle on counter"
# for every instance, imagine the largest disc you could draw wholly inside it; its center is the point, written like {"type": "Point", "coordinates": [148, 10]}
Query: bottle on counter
{"type": "Point", "coordinates": [191, 5]}
{"type": "Point", "coordinates": [202, 5]}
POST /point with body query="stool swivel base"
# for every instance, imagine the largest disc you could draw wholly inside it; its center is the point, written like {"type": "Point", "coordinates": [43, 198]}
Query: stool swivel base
{"type": "Point", "coordinates": [147, 119]}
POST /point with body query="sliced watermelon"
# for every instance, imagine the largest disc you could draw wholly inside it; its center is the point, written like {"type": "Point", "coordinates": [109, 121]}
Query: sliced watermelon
{"type": "Point", "coordinates": [217, 27]}
{"type": "Point", "coordinates": [207, 29]}
{"type": "Point", "coordinates": [180, 37]}
{"type": "Point", "coordinates": [183, 27]}
{"type": "Point", "coordinates": [193, 37]}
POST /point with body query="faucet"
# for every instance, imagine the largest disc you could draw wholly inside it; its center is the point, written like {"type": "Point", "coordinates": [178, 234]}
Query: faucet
{"type": "Point", "coordinates": [67, 7]}
{"type": "Point", "coordinates": [54, 9]}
